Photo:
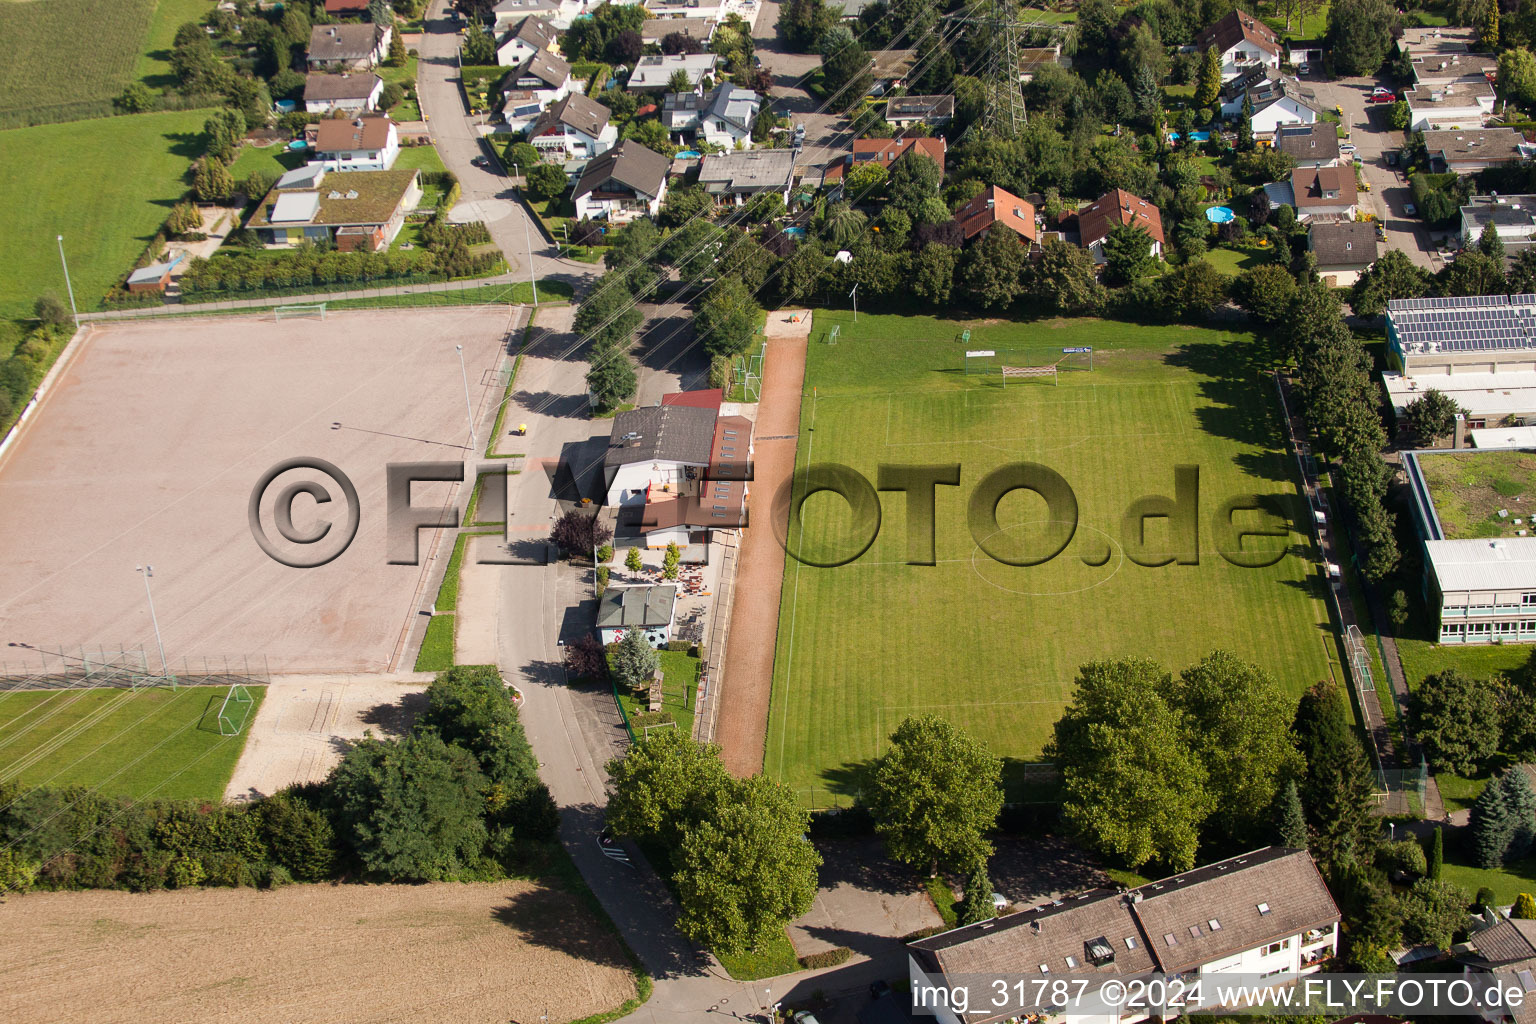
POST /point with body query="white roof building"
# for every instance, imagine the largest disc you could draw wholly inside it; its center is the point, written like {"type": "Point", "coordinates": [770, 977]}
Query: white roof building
{"type": "Point", "coordinates": [656, 71]}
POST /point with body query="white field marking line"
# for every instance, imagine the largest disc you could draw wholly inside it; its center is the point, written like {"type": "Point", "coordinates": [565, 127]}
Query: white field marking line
{"type": "Point", "coordinates": [969, 704]}
{"type": "Point", "coordinates": [794, 604]}
{"type": "Point", "coordinates": [1057, 593]}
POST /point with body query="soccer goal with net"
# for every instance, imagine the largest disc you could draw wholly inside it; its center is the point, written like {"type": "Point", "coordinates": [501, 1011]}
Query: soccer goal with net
{"type": "Point", "coordinates": [235, 710]}
{"type": "Point", "coordinates": [312, 310]}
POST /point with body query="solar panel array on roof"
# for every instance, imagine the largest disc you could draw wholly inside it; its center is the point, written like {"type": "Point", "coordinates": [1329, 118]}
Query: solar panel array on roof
{"type": "Point", "coordinates": [1477, 323]}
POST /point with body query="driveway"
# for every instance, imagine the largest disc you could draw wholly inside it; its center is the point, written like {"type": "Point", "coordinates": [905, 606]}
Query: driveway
{"type": "Point", "coordinates": [865, 902]}
{"type": "Point", "coordinates": [1368, 130]}
{"type": "Point", "coordinates": [827, 136]}
{"type": "Point", "coordinates": [487, 194]}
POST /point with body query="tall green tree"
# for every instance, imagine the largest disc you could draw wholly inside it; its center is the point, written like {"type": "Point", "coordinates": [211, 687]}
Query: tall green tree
{"type": "Point", "coordinates": [844, 68]}
{"type": "Point", "coordinates": [1290, 819]}
{"type": "Point", "coordinates": [1128, 252]}
{"type": "Point", "coordinates": [1490, 244]}
{"type": "Point", "coordinates": [803, 23]}
{"type": "Point", "coordinates": [410, 809]}
{"type": "Point", "coordinates": [1131, 786]}
{"type": "Point", "coordinates": [914, 178]}
{"type": "Point", "coordinates": [1434, 911]}
{"type": "Point", "coordinates": [1492, 827]}
{"type": "Point", "coordinates": [1432, 415]}
{"type": "Point", "coordinates": [1360, 33]}
{"type": "Point", "coordinates": [1393, 276]}
{"type": "Point", "coordinates": [611, 380]}
{"type": "Point", "coordinates": [934, 794]}
{"type": "Point", "coordinates": [1517, 75]}
{"type": "Point", "coordinates": [1436, 853]}
{"type": "Point", "coordinates": [727, 318]}
{"type": "Point", "coordinates": [608, 315]}
{"type": "Point", "coordinates": [1208, 87]}
{"type": "Point", "coordinates": [665, 786]}
{"type": "Point", "coordinates": [1266, 292]}
{"type": "Point", "coordinates": [1237, 722]}
{"type": "Point", "coordinates": [1063, 278]}
{"type": "Point", "coordinates": [635, 661]}
{"type": "Point", "coordinates": [1456, 719]}
{"type": "Point", "coordinates": [747, 870]}
{"type": "Point", "coordinates": [976, 906]}
{"type": "Point", "coordinates": [993, 270]}
{"type": "Point", "coordinates": [1336, 792]}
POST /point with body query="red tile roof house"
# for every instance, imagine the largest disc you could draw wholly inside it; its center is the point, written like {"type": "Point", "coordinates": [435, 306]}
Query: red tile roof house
{"type": "Point", "coordinates": [1098, 218]}
{"type": "Point", "coordinates": [1244, 43]}
{"type": "Point", "coordinates": [887, 151]}
{"type": "Point", "coordinates": [998, 206]}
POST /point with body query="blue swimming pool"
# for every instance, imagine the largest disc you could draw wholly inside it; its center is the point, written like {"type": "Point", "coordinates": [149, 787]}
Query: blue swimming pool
{"type": "Point", "coordinates": [795, 232]}
{"type": "Point", "coordinates": [1193, 136]}
{"type": "Point", "coordinates": [298, 144]}
{"type": "Point", "coordinates": [688, 154]}
{"type": "Point", "coordinates": [1219, 215]}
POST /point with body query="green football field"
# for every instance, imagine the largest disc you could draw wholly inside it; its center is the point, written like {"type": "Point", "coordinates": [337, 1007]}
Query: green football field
{"type": "Point", "coordinates": [995, 647]}
{"type": "Point", "coordinates": [151, 743]}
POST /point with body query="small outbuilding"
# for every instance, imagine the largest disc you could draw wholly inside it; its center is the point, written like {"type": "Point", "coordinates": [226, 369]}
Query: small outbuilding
{"type": "Point", "coordinates": [649, 609]}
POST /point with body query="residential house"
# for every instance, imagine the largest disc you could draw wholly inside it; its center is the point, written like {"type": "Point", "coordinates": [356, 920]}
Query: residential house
{"type": "Point", "coordinates": [1305, 51]}
{"type": "Point", "coordinates": [574, 127]}
{"type": "Point", "coordinates": [649, 609]}
{"type": "Point", "coordinates": [626, 182]}
{"type": "Point", "coordinates": [887, 151]}
{"type": "Point", "coordinates": [1476, 149]}
{"type": "Point", "coordinates": [1114, 209]}
{"type": "Point", "coordinates": [356, 94]}
{"type": "Point", "coordinates": [998, 206]}
{"type": "Point", "coordinates": [852, 9]}
{"type": "Point", "coordinates": [890, 69]}
{"type": "Point", "coordinates": [544, 75]}
{"type": "Point", "coordinates": [520, 108]}
{"type": "Point", "coordinates": [1479, 350]}
{"type": "Point", "coordinates": [354, 47]}
{"type": "Point", "coordinates": [679, 469]}
{"type": "Point", "coordinates": [678, 10]}
{"type": "Point", "coordinates": [1324, 192]}
{"type": "Point", "coordinates": [1033, 58]}
{"type": "Point", "coordinates": [1512, 217]}
{"type": "Point", "coordinates": [1278, 101]}
{"type": "Point", "coordinates": [1309, 145]}
{"type": "Point", "coordinates": [1344, 250]}
{"type": "Point", "coordinates": [1441, 69]}
{"type": "Point", "coordinates": [530, 36]}
{"type": "Point", "coordinates": [738, 177]}
{"type": "Point", "coordinates": [1459, 104]}
{"type": "Point", "coordinates": [1243, 41]}
{"type": "Point", "coordinates": [1417, 42]}
{"type": "Point", "coordinates": [1262, 913]}
{"type": "Point", "coordinates": [353, 210]}
{"type": "Point", "coordinates": [722, 117]}
{"type": "Point", "coordinates": [154, 277]}
{"type": "Point", "coordinates": [933, 111]}
{"type": "Point", "coordinates": [559, 13]}
{"type": "Point", "coordinates": [361, 144]}
{"type": "Point", "coordinates": [1503, 953]}
{"type": "Point", "coordinates": [653, 73]}
{"type": "Point", "coordinates": [701, 30]}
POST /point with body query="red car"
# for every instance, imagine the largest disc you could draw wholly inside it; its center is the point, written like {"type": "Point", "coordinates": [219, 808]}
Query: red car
{"type": "Point", "coordinates": [1383, 96]}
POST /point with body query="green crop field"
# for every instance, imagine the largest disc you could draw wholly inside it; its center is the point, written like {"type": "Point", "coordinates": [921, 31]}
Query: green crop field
{"type": "Point", "coordinates": [147, 743]}
{"type": "Point", "coordinates": [67, 59]}
{"type": "Point", "coordinates": [154, 64]}
{"type": "Point", "coordinates": [105, 185]}
{"type": "Point", "coordinates": [996, 647]}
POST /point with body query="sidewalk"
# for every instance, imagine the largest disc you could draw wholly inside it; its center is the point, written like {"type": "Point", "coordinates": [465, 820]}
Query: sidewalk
{"type": "Point", "coordinates": [223, 305]}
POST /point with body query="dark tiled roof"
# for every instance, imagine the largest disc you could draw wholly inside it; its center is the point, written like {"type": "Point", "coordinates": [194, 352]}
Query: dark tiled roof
{"type": "Point", "coordinates": [342, 42]}
{"type": "Point", "coordinates": [1316, 141]}
{"type": "Point", "coordinates": [920, 106]}
{"type": "Point", "coordinates": [674, 433]}
{"type": "Point", "coordinates": [1310, 183]}
{"type": "Point", "coordinates": [320, 86]}
{"type": "Point", "coordinates": [547, 68]}
{"type": "Point", "coordinates": [1344, 242]}
{"type": "Point", "coordinates": [630, 164]}
{"type": "Point", "coordinates": [1236, 27]}
{"type": "Point", "coordinates": [575, 111]}
{"type": "Point", "coordinates": [536, 32]}
{"type": "Point", "coordinates": [1506, 943]}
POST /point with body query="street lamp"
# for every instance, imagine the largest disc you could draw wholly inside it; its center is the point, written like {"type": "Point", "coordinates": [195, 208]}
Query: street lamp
{"type": "Point", "coordinates": [474, 440]}
{"type": "Point", "coordinates": [67, 283]}
{"type": "Point", "coordinates": [148, 572]}
{"type": "Point", "coordinates": [527, 240]}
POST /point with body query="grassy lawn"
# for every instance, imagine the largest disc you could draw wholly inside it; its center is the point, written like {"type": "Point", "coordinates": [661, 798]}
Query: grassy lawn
{"type": "Point", "coordinates": [1506, 882]}
{"type": "Point", "coordinates": [106, 187]}
{"type": "Point", "coordinates": [680, 680]}
{"type": "Point", "coordinates": [448, 593]}
{"type": "Point", "coordinates": [274, 160]}
{"type": "Point", "coordinates": [1233, 261]}
{"type": "Point", "coordinates": [152, 743]}
{"type": "Point", "coordinates": [777, 958]}
{"type": "Point", "coordinates": [153, 67]}
{"type": "Point", "coordinates": [521, 292]}
{"type": "Point", "coordinates": [421, 157]}
{"type": "Point", "coordinates": [437, 646]}
{"type": "Point", "coordinates": [995, 648]}
{"type": "Point", "coordinates": [67, 59]}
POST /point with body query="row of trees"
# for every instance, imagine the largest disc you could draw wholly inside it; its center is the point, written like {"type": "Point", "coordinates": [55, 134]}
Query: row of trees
{"type": "Point", "coordinates": [458, 798]}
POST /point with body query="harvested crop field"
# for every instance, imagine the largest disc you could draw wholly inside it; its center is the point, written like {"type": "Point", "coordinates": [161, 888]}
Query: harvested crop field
{"type": "Point", "coordinates": [444, 952]}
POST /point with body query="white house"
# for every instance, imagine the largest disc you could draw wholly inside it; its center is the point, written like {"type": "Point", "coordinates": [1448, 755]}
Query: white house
{"type": "Point", "coordinates": [574, 127]}
{"type": "Point", "coordinates": [1513, 219]}
{"type": "Point", "coordinates": [356, 94]}
{"type": "Point", "coordinates": [657, 448]}
{"type": "Point", "coordinates": [1278, 101]}
{"type": "Point", "coordinates": [1459, 104]}
{"type": "Point", "coordinates": [1244, 43]}
{"type": "Point", "coordinates": [1262, 913]}
{"type": "Point", "coordinates": [626, 182]}
{"type": "Point", "coordinates": [722, 117]}
{"type": "Point", "coordinates": [654, 72]}
{"type": "Point", "coordinates": [738, 177]}
{"type": "Point", "coordinates": [677, 10]}
{"type": "Point", "coordinates": [1309, 145]}
{"type": "Point", "coordinates": [353, 46]}
{"type": "Point", "coordinates": [559, 13]}
{"type": "Point", "coordinates": [531, 35]}
{"type": "Point", "coordinates": [543, 76]}
{"type": "Point", "coordinates": [363, 144]}
{"type": "Point", "coordinates": [1344, 250]}
{"type": "Point", "coordinates": [1324, 192]}
{"type": "Point", "coordinates": [648, 609]}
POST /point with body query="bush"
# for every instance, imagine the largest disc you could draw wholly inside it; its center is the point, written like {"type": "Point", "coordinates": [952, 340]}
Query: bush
{"type": "Point", "coordinates": [826, 958]}
{"type": "Point", "coordinates": [1405, 856]}
{"type": "Point", "coordinates": [605, 553]}
{"type": "Point", "coordinates": [678, 645]}
{"type": "Point", "coordinates": [50, 310]}
{"type": "Point", "coordinates": [602, 579]}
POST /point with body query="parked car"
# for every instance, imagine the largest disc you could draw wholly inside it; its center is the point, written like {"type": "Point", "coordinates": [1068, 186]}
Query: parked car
{"type": "Point", "coordinates": [999, 901]}
{"type": "Point", "coordinates": [879, 988]}
{"type": "Point", "coordinates": [1410, 210]}
{"type": "Point", "coordinates": [804, 1017]}
{"type": "Point", "coordinates": [1347, 148]}
{"type": "Point", "coordinates": [480, 161]}
{"type": "Point", "coordinates": [1303, 68]}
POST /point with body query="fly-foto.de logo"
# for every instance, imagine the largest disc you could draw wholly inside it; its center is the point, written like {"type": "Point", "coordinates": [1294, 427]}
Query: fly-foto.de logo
{"type": "Point", "coordinates": [1238, 525]}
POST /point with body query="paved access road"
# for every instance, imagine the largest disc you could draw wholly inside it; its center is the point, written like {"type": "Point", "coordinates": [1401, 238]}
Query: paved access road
{"type": "Point", "coordinates": [827, 135]}
{"type": "Point", "coordinates": [1368, 130]}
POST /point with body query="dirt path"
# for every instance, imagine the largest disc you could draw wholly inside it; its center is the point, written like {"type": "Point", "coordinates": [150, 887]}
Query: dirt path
{"type": "Point", "coordinates": [443, 952]}
{"type": "Point", "coordinates": [748, 676]}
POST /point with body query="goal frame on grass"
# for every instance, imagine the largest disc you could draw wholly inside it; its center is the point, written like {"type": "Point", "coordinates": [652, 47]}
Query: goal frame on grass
{"type": "Point", "coordinates": [239, 695]}
{"type": "Point", "coordinates": [280, 313]}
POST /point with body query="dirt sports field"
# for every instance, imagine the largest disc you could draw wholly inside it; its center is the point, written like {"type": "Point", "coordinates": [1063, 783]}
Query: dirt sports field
{"type": "Point", "coordinates": [466, 954]}
{"type": "Point", "coordinates": [748, 673]}
{"type": "Point", "coordinates": [149, 446]}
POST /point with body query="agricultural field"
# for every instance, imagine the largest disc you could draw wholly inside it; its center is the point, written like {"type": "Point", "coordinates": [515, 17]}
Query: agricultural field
{"type": "Point", "coordinates": [153, 742]}
{"type": "Point", "coordinates": [107, 190]}
{"type": "Point", "coordinates": [992, 646]}
{"type": "Point", "coordinates": [153, 67]}
{"type": "Point", "coordinates": [63, 60]}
